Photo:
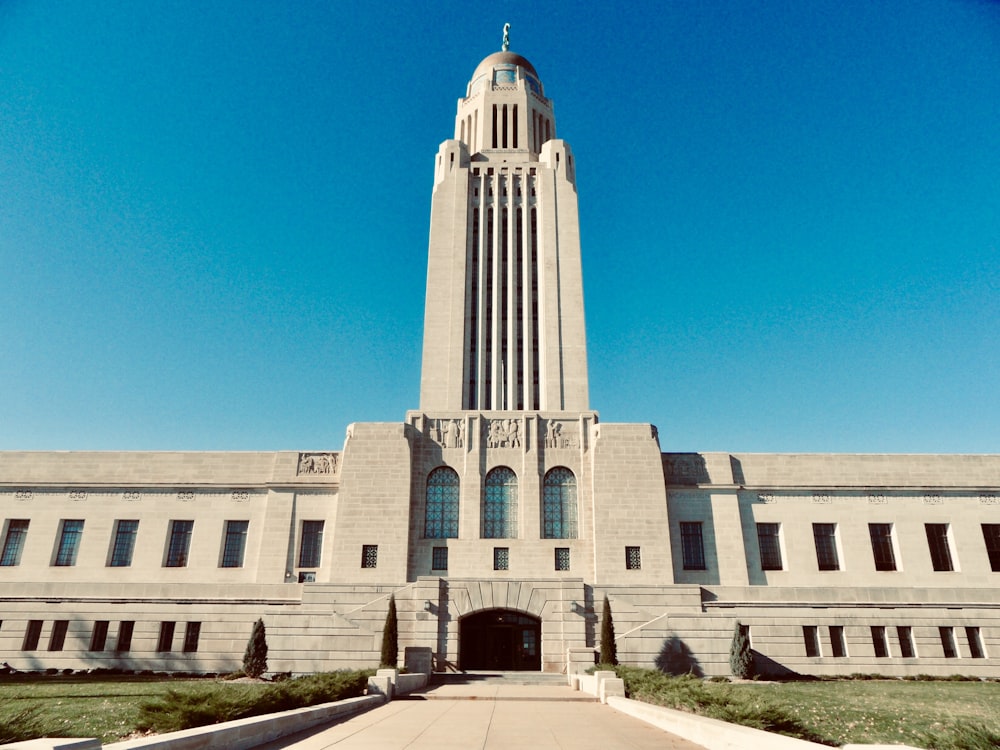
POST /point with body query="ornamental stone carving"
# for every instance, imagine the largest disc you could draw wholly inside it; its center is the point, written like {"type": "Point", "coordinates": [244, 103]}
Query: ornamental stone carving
{"type": "Point", "coordinates": [22, 494]}
{"type": "Point", "coordinates": [448, 433]}
{"type": "Point", "coordinates": [241, 496]}
{"type": "Point", "coordinates": [559, 435]}
{"type": "Point", "coordinates": [317, 463]}
{"type": "Point", "coordinates": [502, 433]}
{"type": "Point", "coordinates": [131, 496]}
{"type": "Point", "coordinates": [185, 497]}
{"type": "Point", "coordinates": [77, 495]}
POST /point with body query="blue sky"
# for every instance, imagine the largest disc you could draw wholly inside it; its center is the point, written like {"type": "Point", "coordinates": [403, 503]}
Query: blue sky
{"type": "Point", "coordinates": [214, 216]}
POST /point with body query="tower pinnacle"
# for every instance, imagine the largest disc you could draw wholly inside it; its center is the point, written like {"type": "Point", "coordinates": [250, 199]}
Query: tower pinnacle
{"type": "Point", "coordinates": [505, 47]}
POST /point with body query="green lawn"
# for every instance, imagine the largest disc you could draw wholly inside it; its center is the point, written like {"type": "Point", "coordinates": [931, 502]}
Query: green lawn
{"type": "Point", "coordinates": [92, 706]}
{"type": "Point", "coordinates": [943, 715]}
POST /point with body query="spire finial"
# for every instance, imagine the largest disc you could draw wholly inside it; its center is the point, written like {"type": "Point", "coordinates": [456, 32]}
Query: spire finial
{"type": "Point", "coordinates": [506, 38]}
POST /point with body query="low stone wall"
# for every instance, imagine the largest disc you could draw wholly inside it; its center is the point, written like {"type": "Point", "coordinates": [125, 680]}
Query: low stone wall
{"type": "Point", "coordinates": [55, 743]}
{"type": "Point", "coordinates": [247, 733]}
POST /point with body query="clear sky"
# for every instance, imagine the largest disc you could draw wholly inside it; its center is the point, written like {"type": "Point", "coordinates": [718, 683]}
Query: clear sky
{"type": "Point", "coordinates": [214, 216]}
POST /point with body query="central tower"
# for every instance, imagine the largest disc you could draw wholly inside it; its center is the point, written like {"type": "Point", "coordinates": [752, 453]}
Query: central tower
{"type": "Point", "coordinates": [503, 323]}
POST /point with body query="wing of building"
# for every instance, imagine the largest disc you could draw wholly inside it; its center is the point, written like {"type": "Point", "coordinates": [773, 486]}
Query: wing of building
{"type": "Point", "coordinates": [502, 511]}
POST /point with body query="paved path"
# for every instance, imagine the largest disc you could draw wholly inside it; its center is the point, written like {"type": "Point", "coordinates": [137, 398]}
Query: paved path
{"type": "Point", "coordinates": [488, 717]}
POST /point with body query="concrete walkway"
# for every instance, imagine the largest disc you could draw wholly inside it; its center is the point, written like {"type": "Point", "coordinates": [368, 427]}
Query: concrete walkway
{"type": "Point", "coordinates": [488, 716]}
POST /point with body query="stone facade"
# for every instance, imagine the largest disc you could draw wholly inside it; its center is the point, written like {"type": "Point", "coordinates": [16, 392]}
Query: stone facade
{"type": "Point", "coordinates": [502, 511]}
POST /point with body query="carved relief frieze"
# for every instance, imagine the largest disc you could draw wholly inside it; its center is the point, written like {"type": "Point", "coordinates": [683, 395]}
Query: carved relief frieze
{"type": "Point", "coordinates": [77, 495]}
{"type": "Point", "coordinates": [22, 494]}
{"type": "Point", "coordinates": [560, 434]}
{"type": "Point", "coordinates": [185, 497]}
{"type": "Point", "coordinates": [502, 433]}
{"type": "Point", "coordinates": [822, 499]}
{"type": "Point", "coordinates": [317, 463]}
{"type": "Point", "coordinates": [448, 433]}
{"type": "Point", "coordinates": [241, 496]}
{"type": "Point", "coordinates": [131, 497]}
{"type": "Point", "coordinates": [932, 499]}
{"type": "Point", "coordinates": [876, 499]}
{"type": "Point", "coordinates": [988, 498]}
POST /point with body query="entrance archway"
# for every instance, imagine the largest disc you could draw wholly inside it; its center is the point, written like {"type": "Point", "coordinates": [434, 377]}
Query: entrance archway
{"type": "Point", "coordinates": [500, 639]}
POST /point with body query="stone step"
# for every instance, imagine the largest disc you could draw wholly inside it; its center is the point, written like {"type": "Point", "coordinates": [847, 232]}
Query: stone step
{"type": "Point", "coordinates": [489, 677]}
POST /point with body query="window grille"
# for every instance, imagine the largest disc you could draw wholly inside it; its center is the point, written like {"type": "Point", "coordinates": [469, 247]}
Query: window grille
{"type": "Point", "coordinates": [633, 558]}
{"type": "Point", "coordinates": [501, 558]}
{"type": "Point", "coordinates": [562, 558]}
{"type": "Point", "coordinates": [500, 504]}
{"type": "Point", "coordinates": [441, 514]}
{"type": "Point", "coordinates": [369, 556]}
{"type": "Point", "coordinates": [559, 505]}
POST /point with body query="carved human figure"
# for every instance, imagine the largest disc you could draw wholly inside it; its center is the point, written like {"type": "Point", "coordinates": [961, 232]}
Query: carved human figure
{"type": "Point", "coordinates": [513, 433]}
{"type": "Point", "coordinates": [449, 433]}
{"type": "Point", "coordinates": [459, 428]}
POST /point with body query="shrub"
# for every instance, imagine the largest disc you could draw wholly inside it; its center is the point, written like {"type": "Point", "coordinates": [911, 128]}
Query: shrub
{"type": "Point", "coordinates": [609, 651]}
{"type": "Point", "coordinates": [390, 637]}
{"type": "Point", "coordinates": [740, 655]}
{"type": "Point", "coordinates": [255, 657]}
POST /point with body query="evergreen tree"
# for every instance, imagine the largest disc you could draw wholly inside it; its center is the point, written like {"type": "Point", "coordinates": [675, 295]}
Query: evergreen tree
{"type": "Point", "coordinates": [740, 655]}
{"type": "Point", "coordinates": [390, 637]}
{"type": "Point", "coordinates": [255, 657]}
{"type": "Point", "coordinates": [609, 652]}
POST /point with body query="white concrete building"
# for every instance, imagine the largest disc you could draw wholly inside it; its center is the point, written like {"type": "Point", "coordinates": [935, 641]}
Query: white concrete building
{"type": "Point", "coordinates": [502, 511]}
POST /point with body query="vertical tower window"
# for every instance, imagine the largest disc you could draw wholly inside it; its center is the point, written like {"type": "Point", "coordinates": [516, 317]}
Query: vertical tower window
{"type": "Point", "coordinates": [234, 544]}
{"type": "Point", "coordinates": [488, 332]}
{"type": "Point", "coordinates": [948, 642]}
{"type": "Point", "coordinates": [838, 646]}
{"type": "Point", "coordinates": [311, 544]}
{"type": "Point", "coordinates": [505, 126]}
{"type": "Point", "coordinates": [473, 361]}
{"type": "Point", "coordinates": [976, 650]}
{"type": "Point", "coordinates": [535, 400]}
{"type": "Point", "coordinates": [879, 642]}
{"type": "Point", "coordinates": [494, 126]}
{"type": "Point", "coordinates": [692, 545]}
{"type": "Point", "coordinates": [513, 121]}
{"type": "Point", "coordinates": [125, 630]}
{"type": "Point", "coordinates": [825, 538]}
{"type": "Point", "coordinates": [31, 635]}
{"type": "Point", "coordinates": [882, 546]}
{"type": "Point", "coordinates": [769, 541]}
{"type": "Point", "coordinates": [441, 514]}
{"type": "Point", "coordinates": [810, 636]}
{"type": "Point", "coordinates": [519, 289]}
{"type": "Point", "coordinates": [562, 558]}
{"type": "Point", "coordinates": [500, 504]}
{"type": "Point", "coordinates": [559, 504]}
{"type": "Point", "coordinates": [191, 635]}
{"type": "Point", "coordinates": [13, 543]}
{"type": "Point", "coordinates": [179, 544]}
{"type": "Point", "coordinates": [166, 640]}
{"type": "Point", "coordinates": [99, 636]}
{"type": "Point", "coordinates": [905, 635]}
{"type": "Point", "coordinates": [991, 535]}
{"type": "Point", "coordinates": [124, 544]}
{"type": "Point", "coordinates": [937, 542]}
{"type": "Point", "coordinates": [69, 543]}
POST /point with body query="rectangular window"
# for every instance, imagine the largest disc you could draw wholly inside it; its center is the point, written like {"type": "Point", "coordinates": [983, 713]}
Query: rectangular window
{"type": "Point", "coordinates": [125, 630]}
{"type": "Point", "coordinates": [825, 538]}
{"type": "Point", "coordinates": [692, 546]}
{"type": "Point", "coordinates": [235, 543]}
{"type": "Point", "coordinates": [439, 558]}
{"type": "Point", "coordinates": [838, 647]}
{"type": "Point", "coordinates": [975, 643]}
{"type": "Point", "coordinates": [769, 540]}
{"type": "Point", "coordinates": [905, 635]}
{"type": "Point", "coordinates": [562, 558]}
{"type": "Point", "coordinates": [13, 542]}
{"type": "Point", "coordinates": [166, 640]}
{"type": "Point", "coordinates": [180, 543]}
{"type": "Point", "coordinates": [991, 535]}
{"type": "Point", "coordinates": [501, 558]}
{"type": "Point", "coordinates": [948, 642]}
{"type": "Point", "coordinates": [311, 545]}
{"type": "Point", "coordinates": [937, 541]}
{"type": "Point", "coordinates": [31, 635]}
{"type": "Point", "coordinates": [191, 635]}
{"type": "Point", "coordinates": [121, 551]}
{"type": "Point", "coordinates": [882, 546]}
{"type": "Point", "coordinates": [69, 543]}
{"type": "Point", "coordinates": [99, 636]}
{"type": "Point", "coordinates": [633, 558]}
{"type": "Point", "coordinates": [879, 642]}
{"type": "Point", "coordinates": [58, 638]}
{"type": "Point", "coordinates": [369, 555]}
{"type": "Point", "coordinates": [810, 636]}
{"type": "Point", "coordinates": [307, 576]}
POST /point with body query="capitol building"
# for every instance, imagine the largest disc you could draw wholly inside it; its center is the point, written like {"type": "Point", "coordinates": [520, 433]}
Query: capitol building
{"type": "Point", "coordinates": [502, 510]}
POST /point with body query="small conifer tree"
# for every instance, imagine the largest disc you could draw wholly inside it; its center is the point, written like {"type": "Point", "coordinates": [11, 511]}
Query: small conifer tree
{"type": "Point", "coordinates": [390, 637]}
{"type": "Point", "coordinates": [740, 655]}
{"type": "Point", "coordinates": [255, 657]}
{"type": "Point", "coordinates": [609, 652]}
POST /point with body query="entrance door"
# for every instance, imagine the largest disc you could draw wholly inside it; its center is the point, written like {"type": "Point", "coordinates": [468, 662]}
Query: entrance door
{"type": "Point", "coordinates": [500, 639]}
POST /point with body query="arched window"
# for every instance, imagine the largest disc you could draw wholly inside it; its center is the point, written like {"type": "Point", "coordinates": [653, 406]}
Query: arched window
{"type": "Point", "coordinates": [500, 504]}
{"type": "Point", "coordinates": [559, 504]}
{"type": "Point", "coordinates": [441, 520]}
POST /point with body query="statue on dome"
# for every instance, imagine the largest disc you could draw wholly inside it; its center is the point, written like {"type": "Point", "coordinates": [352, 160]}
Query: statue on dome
{"type": "Point", "coordinates": [506, 38]}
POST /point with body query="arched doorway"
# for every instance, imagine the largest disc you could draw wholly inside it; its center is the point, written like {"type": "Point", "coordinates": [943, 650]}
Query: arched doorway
{"type": "Point", "coordinates": [500, 639]}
